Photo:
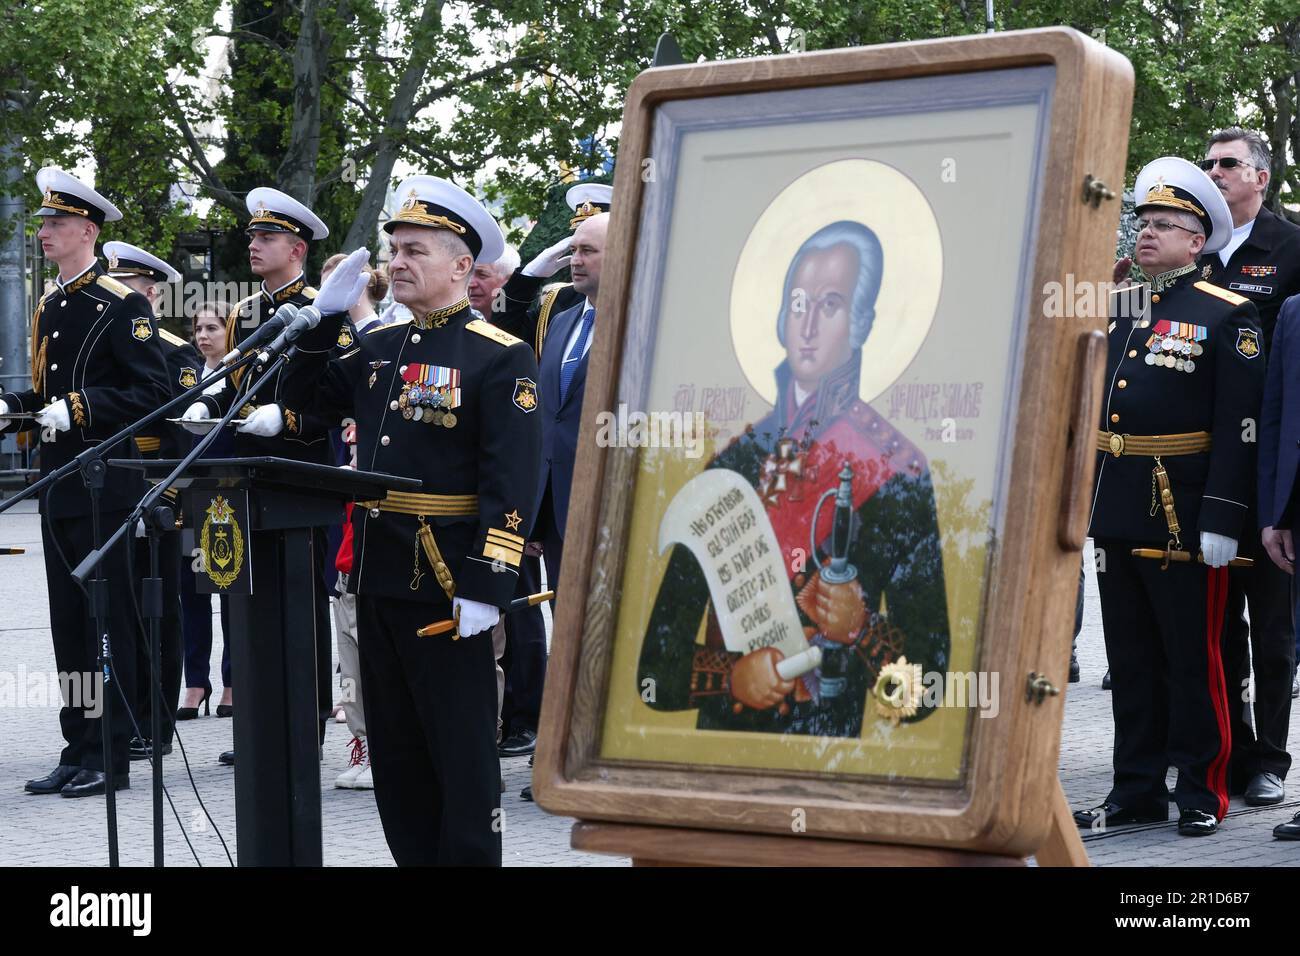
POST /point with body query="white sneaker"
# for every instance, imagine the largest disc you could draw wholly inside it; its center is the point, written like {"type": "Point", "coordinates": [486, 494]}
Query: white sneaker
{"type": "Point", "coordinates": [364, 781]}
{"type": "Point", "coordinates": [358, 761]}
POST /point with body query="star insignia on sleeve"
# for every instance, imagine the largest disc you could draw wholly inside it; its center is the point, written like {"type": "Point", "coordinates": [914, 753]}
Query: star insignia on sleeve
{"type": "Point", "coordinates": [513, 520]}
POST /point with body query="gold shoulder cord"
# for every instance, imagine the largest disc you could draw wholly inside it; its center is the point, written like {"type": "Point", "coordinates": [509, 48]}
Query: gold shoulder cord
{"type": "Point", "coordinates": [1160, 481]}
{"type": "Point", "coordinates": [544, 318]}
{"type": "Point", "coordinates": [38, 355]}
{"type": "Point", "coordinates": [425, 541]}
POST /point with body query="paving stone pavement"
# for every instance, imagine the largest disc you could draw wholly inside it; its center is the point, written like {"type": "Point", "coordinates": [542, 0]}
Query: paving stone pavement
{"type": "Point", "coordinates": [1246, 835]}
{"type": "Point", "coordinates": [53, 831]}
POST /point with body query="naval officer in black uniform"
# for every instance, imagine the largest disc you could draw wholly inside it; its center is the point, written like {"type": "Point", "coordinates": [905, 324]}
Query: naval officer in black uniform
{"type": "Point", "coordinates": [1184, 381]}
{"type": "Point", "coordinates": [280, 231]}
{"type": "Point", "coordinates": [147, 274]}
{"type": "Point", "coordinates": [453, 400]}
{"type": "Point", "coordinates": [96, 367]}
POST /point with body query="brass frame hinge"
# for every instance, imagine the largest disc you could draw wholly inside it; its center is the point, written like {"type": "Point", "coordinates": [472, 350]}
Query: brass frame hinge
{"type": "Point", "coordinates": [1094, 191]}
{"type": "Point", "coordinates": [1038, 688]}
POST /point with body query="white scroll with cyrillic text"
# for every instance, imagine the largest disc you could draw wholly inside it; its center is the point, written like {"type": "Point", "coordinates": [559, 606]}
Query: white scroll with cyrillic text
{"type": "Point", "coordinates": [719, 517]}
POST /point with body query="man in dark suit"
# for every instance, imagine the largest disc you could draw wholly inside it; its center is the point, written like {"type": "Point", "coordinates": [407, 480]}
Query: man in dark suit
{"type": "Point", "coordinates": [518, 308]}
{"type": "Point", "coordinates": [1261, 262]}
{"type": "Point", "coordinates": [1279, 461]}
{"type": "Point", "coordinates": [562, 376]}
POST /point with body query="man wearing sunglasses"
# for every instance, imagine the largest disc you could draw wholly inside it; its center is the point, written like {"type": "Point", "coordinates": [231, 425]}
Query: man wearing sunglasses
{"type": "Point", "coordinates": [1261, 262]}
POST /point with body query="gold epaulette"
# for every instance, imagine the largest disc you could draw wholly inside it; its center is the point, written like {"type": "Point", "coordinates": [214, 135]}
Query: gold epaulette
{"type": "Point", "coordinates": [1221, 293]}
{"type": "Point", "coordinates": [171, 338]}
{"type": "Point", "coordinates": [119, 289]}
{"type": "Point", "coordinates": [310, 293]}
{"type": "Point", "coordinates": [490, 331]}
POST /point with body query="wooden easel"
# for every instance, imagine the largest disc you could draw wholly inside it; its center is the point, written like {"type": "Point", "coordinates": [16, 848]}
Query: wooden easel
{"type": "Point", "coordinates": [679, 846]}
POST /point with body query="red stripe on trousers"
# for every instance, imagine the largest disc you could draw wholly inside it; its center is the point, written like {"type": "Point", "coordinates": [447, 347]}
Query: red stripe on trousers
{"type": "Point", "coordinates": [1216, 598]}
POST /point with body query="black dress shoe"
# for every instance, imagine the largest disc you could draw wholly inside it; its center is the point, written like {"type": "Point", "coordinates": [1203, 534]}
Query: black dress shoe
{"type": "Point", "coordinates": [1289, 830]}
{"type": "Point", "coordinates": [519, 743]}
{"type": "Point", "coordinates": [1074, 670]}
{"type": "Point", "coordinates": [54, 781]}
{"type": "Point", "coordinates": [526, 794]}
{"type": "Point", "coordinates": [90, 783]}
{"type": "Point", "coordinates": [1105, 681]}
{"type": "Point", "coordinates": [1112, 814]}
{"type": "Point", "coordinates": [228, 758]}
{"type": "Point", "coordinates": [141, 749]}
{"type": "Point", "coordinates": [225, 710]}
{"type": "Point", "coordinates": [1197, 823]}
{"type": "Point", "coordinates": [1265, 789]}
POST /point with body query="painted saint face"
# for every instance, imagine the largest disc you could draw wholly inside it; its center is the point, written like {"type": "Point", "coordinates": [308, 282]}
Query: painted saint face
{"type": "Point", "coordinates": [818, 324]}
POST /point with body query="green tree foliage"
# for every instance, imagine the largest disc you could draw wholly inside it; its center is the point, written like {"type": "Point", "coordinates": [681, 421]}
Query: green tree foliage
{"type": "Point", "coordinates": [327, 98]}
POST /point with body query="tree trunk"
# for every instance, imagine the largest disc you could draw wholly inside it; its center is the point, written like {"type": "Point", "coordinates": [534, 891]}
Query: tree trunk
{"type": "Point", "coordinates": [362, 230]}
{"type": "Point", "coordinates": [297, 172]}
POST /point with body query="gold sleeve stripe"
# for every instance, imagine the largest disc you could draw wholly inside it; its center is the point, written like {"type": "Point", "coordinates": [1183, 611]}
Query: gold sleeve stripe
{"type": "Point", "coordinates": [146, 444]}
{"type": "Point", "coordinates": [506, 536]}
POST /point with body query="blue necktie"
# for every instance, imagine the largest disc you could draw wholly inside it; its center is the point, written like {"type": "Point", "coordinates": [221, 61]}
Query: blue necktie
{"type": "Point", "coordinates": [569, 367]}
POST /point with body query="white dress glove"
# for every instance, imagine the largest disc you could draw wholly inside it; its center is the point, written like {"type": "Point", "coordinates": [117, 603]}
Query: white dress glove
{"type": "Point", "coordinates": [473, 616]}
{"type": "Point", "coordinates": [341, 290]}
{"type": "Point", "coordinates": [198, 412]}
{"type": "Point", "coordinates": [139, 527]}
{"type": "Point", "coordinates": [4, 410]}
{"type": "Point", "coordinates": [550, 260]}
{"type": "Point", "coordinates": [265, 422]}
{"type": "Point", "coordinates": [216, 388]}
{"type": "Point", "coordinates": [55, 415]}
{"type": "Point", "coordinates": [1216, 549]}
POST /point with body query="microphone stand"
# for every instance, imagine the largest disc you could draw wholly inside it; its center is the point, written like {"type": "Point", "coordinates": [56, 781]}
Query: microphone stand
{"type": "Point", "coordinates": [90, 462]}
{"type": "Point", "coordinates": [151, 588]}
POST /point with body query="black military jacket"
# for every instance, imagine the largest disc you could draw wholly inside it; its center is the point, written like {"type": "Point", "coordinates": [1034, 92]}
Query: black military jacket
{"type": "Point", "coordinates": [452, 400]}
{"type": "Point", "coordinates": [184, 369]}
{"type": "Point", "coordinates": [94, 344]}
{"type": "Point", "coordinates": [524, 315]}
{"type": "Point", "coordinates": [1218, 332]}
{"type": "Point", "coordinates": [290, 384]}
{"type": "Point", "coordinates": [1265, 269]}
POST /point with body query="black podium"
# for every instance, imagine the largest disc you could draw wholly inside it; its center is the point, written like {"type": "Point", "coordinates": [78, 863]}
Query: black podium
{"type": "Point", "coordinates": [273, 645]}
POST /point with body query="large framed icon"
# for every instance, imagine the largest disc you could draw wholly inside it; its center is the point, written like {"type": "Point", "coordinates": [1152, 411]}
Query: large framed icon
{"type": "Point", "coordinates": [835, 445]}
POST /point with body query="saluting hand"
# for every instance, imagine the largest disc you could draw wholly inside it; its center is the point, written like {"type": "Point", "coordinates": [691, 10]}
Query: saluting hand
{"type": "Point", "coordinates": [1121, 276]}
{"type": "Point", "coordinates": [551, 259]}
{"type": "Point", "coordinates": [343, 287]}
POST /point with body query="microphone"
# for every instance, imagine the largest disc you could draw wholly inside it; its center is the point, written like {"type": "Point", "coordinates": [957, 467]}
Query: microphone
{"type": "Point", "coordinates": [308, 317]}
{"type": "Point", "coordinates": [265, 332]}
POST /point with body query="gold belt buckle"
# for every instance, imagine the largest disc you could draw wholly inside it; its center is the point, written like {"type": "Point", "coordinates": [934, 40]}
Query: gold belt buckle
{"type": "Point", "coordinates": [1116, 445]}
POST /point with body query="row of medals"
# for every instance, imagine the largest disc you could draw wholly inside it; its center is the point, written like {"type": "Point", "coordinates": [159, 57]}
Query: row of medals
{"type": "Point", "coordinates": [426, 405]}
{"type": "Point", "coordinates": [1173, 352]}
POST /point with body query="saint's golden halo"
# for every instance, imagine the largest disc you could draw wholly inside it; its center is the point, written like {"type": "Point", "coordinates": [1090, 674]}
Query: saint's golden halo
{"type": "Point", "coordinates": [888, 203]}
